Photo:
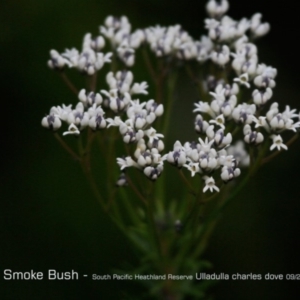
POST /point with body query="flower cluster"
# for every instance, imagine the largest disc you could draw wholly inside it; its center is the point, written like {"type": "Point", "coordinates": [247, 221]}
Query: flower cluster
{"type": "Point", "coordinates": [228, 43]}
{"type": "Point", "coordinates": [89, 112]}
{"type": "Point", "coordinates": [88, 61]}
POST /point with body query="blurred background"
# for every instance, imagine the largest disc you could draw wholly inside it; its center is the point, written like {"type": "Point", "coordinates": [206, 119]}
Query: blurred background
{"type": "Point", "coordinates": [49, 218]}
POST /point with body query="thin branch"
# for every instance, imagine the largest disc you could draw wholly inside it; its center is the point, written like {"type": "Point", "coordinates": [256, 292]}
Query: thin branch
{"type": "Point", "coordinates": [93, 82]}
{"type": "Point", "coordinates": [188, 184]}
{"type": "Point", "coordinates": [69, 83]}
{"type": "Point", "coordinates": [66, 147]}
{"type": "Point", "coordinates": [137, 192]}
{"type": "Point", "coordinates": [93, 185]}
{"type": "Point", "coordinates": [149, 65]}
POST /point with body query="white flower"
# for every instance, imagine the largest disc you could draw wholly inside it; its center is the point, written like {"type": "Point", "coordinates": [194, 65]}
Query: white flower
{"type": "Point", "coordinates": [206, 145]}
{"type": "Point", "coordinates": [89, 98]}
{"type": "Point", "coordinates": [78, 116]}
{"type": "Point", "coordinates": [72, 130]}
{"type": "Point", "coordinates": [222, 140]}
{"type": "Point", "coordinates": [277, 143]}
{"type": "Point", "coordinates": [219, 120]}
{"type": "Point", "coordinates": [200, 125]}
{"type": "Point", "coordinates": [222, 57]}
{"type": "Point", "coordinates": [207, 161]}
{"type": "Point", "coordinates": [177, 157]}
{"type": "Point", "coordinates": [264, 81]}
{"type": "Point", "coordinates": [126, 54]}
{"type": "Point", "coordinates": [228, 160]}
{"type": "Point", "coordinates": [90, 61]}
{"type": "Point", "coordinates": [153, 172]}
{"type": "Point", "coordinates": [157, 144]}
{"type": "Point", "coordinates": [61, 112]}
{"type": "Point", "coordinates": [97, 119]}
{"type": "Point", "coordinates": [261, 122]}
{"type": "Point", "coordinates": [57, 61]}
{"type": "Point", "coordinates": [219, 94]}
{"type": "Point", "coordinates": [244, 113]}
{"type": "Point", "coordinates": [252, 137]}
{"type": "Point", "coordinates": [139, 88]}
{"type": "Point", "coordinates": [204, 107]}
{"type": "Point", "coordinates": [262, 96]}
{"type": "Point", "coordinates": [122, 181]}
{"type": "Point", "coordinates": [229, 173]}
{"type": "Point", "coordinates": [151, 133]}
{"type": "Point", "coordinates": [125, 162]}
{"type": "Point", "coordinates": [117, 101]}
{"type": "Point", "coordinates": [193, 168]}
{"type": "Point", "coordinates": [52, 122]}
{"type": "Point", "coordinates": [243, 80]}
{"type": "Point", "coordinates": [152, 106]}
{"type": "Point", "coordinates": [259, 29]}
{"type": "Point", "coordinates": [217, 9]}
{"type": "Point", "coordinates": [265, 70]}
{"type": "Point", "coordinates": [210, 184]}
{"type": "Point", "coordinates": [248, 50]}
{"type": "Point", "coordinates": [97, 43]}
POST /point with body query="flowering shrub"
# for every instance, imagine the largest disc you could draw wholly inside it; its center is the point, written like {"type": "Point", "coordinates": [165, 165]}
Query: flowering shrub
{"type": "Point", "coordinates": [239, 129]}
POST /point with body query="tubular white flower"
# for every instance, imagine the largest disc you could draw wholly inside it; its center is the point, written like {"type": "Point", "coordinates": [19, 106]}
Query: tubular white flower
{"type": "Point", "coordinates": [78, 116]}
{"type": "Point", "coordinates": [57, 61]}
{"type": "Point", "coordinates": [229, 173]}
{"type": "Point", "coordinates": [221, 58]}
{"type": "Point", "coordinates": [258, 29]}
{"type": "Point", "coordinates": [125, 162]}
{"type": "Point", "coordinates": [206, 145]}
{"type": "Point", "coordinates": [227, 160]}
{"type": "Point", "coordinates": [244, 113]}
{"type": "Point", "coordinates": [72, 130]}
{"type": "Point", "coordinates": [193, 168]}
{"type": "Point", "coordinates": [52, 122]}
{"type": "Point", "coordinates": [204, 107]}
{"type": "Point", "coordinates": [98, 43]}
{"type": "Point", "coordinates": [217, 9]}
{"type": "Point", "coordinates": [252, 137]}
{"type": "Point", "coordinates": [152, 106]}
{"type": "Point", "coordinates": [277, 143]}
{"type": "Point", "coordinates": [89, 98]}
{"type": "Point", "coordinates": [243, 80]}
{"type": "Point", "coordinates": [151, 133]}
{"type": "Point", "coordinates": [97, 120]}
{"type": "Point", "coordinates": [264, 81]}
{"type": "Point", "coordinates": [222, 140]}
{"type": "Point", "coordinates": [219, 120]}
{"type": "Point", "coordinates": [177, 158]}
{"type": "Point", "coordinates": [210, 184]}
{"type": "Point", "coordinates": [126, 54]}
{"type": "Point", "coordinates": [139, 88]}
{"type": "Point", "coordinates": [200, 125]}
{"type": "Point", "coordinates": [153, 172]}
{"type": "Point", "coordinates": [157, 144]}
{"type": "Point", "coordinates": [261, 97]}
{"type": "Point", "coordinates": [122, 180]}
{"type": "Point", "coordinates": [261, 122]}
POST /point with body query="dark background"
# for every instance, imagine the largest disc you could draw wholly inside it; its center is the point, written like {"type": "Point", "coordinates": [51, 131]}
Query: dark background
{"type": "Point", "coordinates": [48, 222]}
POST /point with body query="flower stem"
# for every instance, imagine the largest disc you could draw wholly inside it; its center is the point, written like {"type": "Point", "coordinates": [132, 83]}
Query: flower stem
{"type": "Point", "coordinates": [136, 191]}
{"type": "Point", "coordinates": [151, 223]}
{"type": "Point", "coordinates": [66, 147]}
{"type": "Point", "coordinates": [149, 65]}
{"type": "Point", "coordinates": [67, 81]}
